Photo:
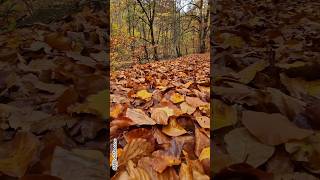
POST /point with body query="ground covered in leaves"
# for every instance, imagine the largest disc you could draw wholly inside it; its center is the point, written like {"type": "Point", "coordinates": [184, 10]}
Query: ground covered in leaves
{"type": "Point", "coordinates": [266, 89]}
{"type": "Point", "coordinates": [51, 118]}
{"type": "Point", "coordinates": [161, 118]}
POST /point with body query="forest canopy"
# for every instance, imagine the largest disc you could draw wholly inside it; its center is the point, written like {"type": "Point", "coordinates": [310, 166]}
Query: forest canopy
{"type": "Point", "coordinates": [144, 30]}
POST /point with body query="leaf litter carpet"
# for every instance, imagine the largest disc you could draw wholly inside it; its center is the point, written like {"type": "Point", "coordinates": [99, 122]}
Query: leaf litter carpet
{"type": "Point", "coordinates": [160, 115]}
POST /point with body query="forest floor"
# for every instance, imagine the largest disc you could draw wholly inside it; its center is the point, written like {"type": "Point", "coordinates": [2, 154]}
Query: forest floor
{"type": "Point", "coordinates": [161, 118]}
{"type": "Point", "coordinates": [52, 120]}
{"type": "Point", "coordinates": [266, 89]}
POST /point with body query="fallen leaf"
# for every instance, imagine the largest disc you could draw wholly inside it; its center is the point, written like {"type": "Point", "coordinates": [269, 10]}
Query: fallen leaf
{"type": "Point", "coordinates": [139, 117]}
{"type": "Point", "coordinates": [269, 128]}
{"type": "Point", "coordinates": [205, 154]}
{"type": "Point", "coordinates": [195, 101]}
{"type": "Point", "coordinates": [186, 108]}
{"type": "Point", "coordinates": [25, 147]}
{"type": "Point", "coordinates": [203, 121]}
{"type": "Point", "coordinates": [176, 98]}
{"type": "Point", "coordinates": [223, 115]}
{"type": "Point", "coordinates": [78, 163]}
{"type": "Point", "coordinates": [144, 94]}
{"type": "Point", "coordinates": [243, 147]}
{"type": "Point", "coordinates": [173, 128]}
{"type": "Point", "coordinates": [248, 74]}
{"type": "Point", "coordinates": [135, 148]}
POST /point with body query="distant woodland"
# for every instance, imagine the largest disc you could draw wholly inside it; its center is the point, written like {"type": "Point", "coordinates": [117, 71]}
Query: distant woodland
{"type": "Point", "coordinates": [144, 30]}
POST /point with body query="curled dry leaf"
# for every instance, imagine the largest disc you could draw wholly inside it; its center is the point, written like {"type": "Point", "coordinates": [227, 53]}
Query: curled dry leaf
{"type": "Point", "coordinates": [139, 117]}
{"type": "Point", "coordinates": [203, 121]}
{"type": "Point", "coordinates": [25, 149]}
{"type": "Point", "coordinates": [243, 147]}
{"type": "Point", "coordinates": [135, 148]}
{"type": "Point", "coordinates": [269, 128]}
{"type": "Point", "coordinates": [173, 128]}
{"type": "Point", "coordinates": [223, 115]}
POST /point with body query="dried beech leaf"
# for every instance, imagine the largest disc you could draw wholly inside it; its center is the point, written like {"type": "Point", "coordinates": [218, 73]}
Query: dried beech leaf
{"type": "Point", "coordinates": [195, 101]}
{"type": "Point", "coordinates": [248, 74]}
{"type": "Point", "coordinates": [201, 142]}
{"type": "Point", "coordinates": [243, 147]}
{"type": "Point", "coordinates": [186, 108]}
{"type": "Point", "coordinates": [135, 148]}
{"type": "Point", "coordinates": [205, 154]}
{"type": "Point", "coordinates": [116, 110]}
{"type": "Point", "coordinates": [139, 117]}
{"type": "Point", "coordinates": [173, 128]}
{"type": "Point", "coordinates": [269, 128]}
{"type": "Point", "coordinates": [223, 115]}
{"type": "Point", "coordinates": [25, 147]}
{"type": "Point", "coordinates": [78, 164]}
{"type": "Point", "coordinates": [144, 94]}
{"type": "Point", "coordinates": [176, 98]}
{"type": "Point", "coordinates": [185, 172]}
{"type": "Point", "coordinates": [203, 121]}
{"type": "Point", "coordinates": [95, 104]}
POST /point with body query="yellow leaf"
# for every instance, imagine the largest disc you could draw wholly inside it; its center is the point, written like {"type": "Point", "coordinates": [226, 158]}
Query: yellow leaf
{"type": "Point", "coordinates": [205, 154]}
{"type": "Point", "coordinates": [249, 73]}
{"type": "Point", "coordinates": [176, 98]}
{"type": "Point", "coordinates": [223, 115]}
{"type": "Point", "coordinates": [95, 104]}
{"type": "Point", "coordinates": [144, 94]}
{"type": "Point", "coordinates": [116, 110]}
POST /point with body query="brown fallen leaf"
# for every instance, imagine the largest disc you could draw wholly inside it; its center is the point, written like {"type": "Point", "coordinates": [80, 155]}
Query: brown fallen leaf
{"type": "Point", "coordinates": [25, 147]}
{"type": "Point", "coordinates": [135, 148]}
{"type": "Point", "coordinates": [201, 142]}
{"type": "Point", "coordinates": [79, 164]}
{"type": "Point", "coordinates": [185, 172]}
{"type": "Point", "coordinates": [195, 102]}
{"type": "Point", "coordinates": [139, 117]}
{"type": "Point", "coordinates": [173, 128]}
{"type": "Point", "coordinates": [161, 115]}
{"type": "Point", "coordinates": [161, 159]}
{"type": "Point", "coordinates": [247, 75]}
{"type": "Point", "coordinates": [269, 128]}
{"type": "Point", "coordinates": [243, 147]}
{"type": "Point", "coordinates": [186, 108]}
{"type": "Point", "coordinates": [203, 121]}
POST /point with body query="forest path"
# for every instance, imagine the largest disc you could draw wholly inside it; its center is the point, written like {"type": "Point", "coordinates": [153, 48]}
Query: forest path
{"type": "Point", "coordinates": [162, 110]}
